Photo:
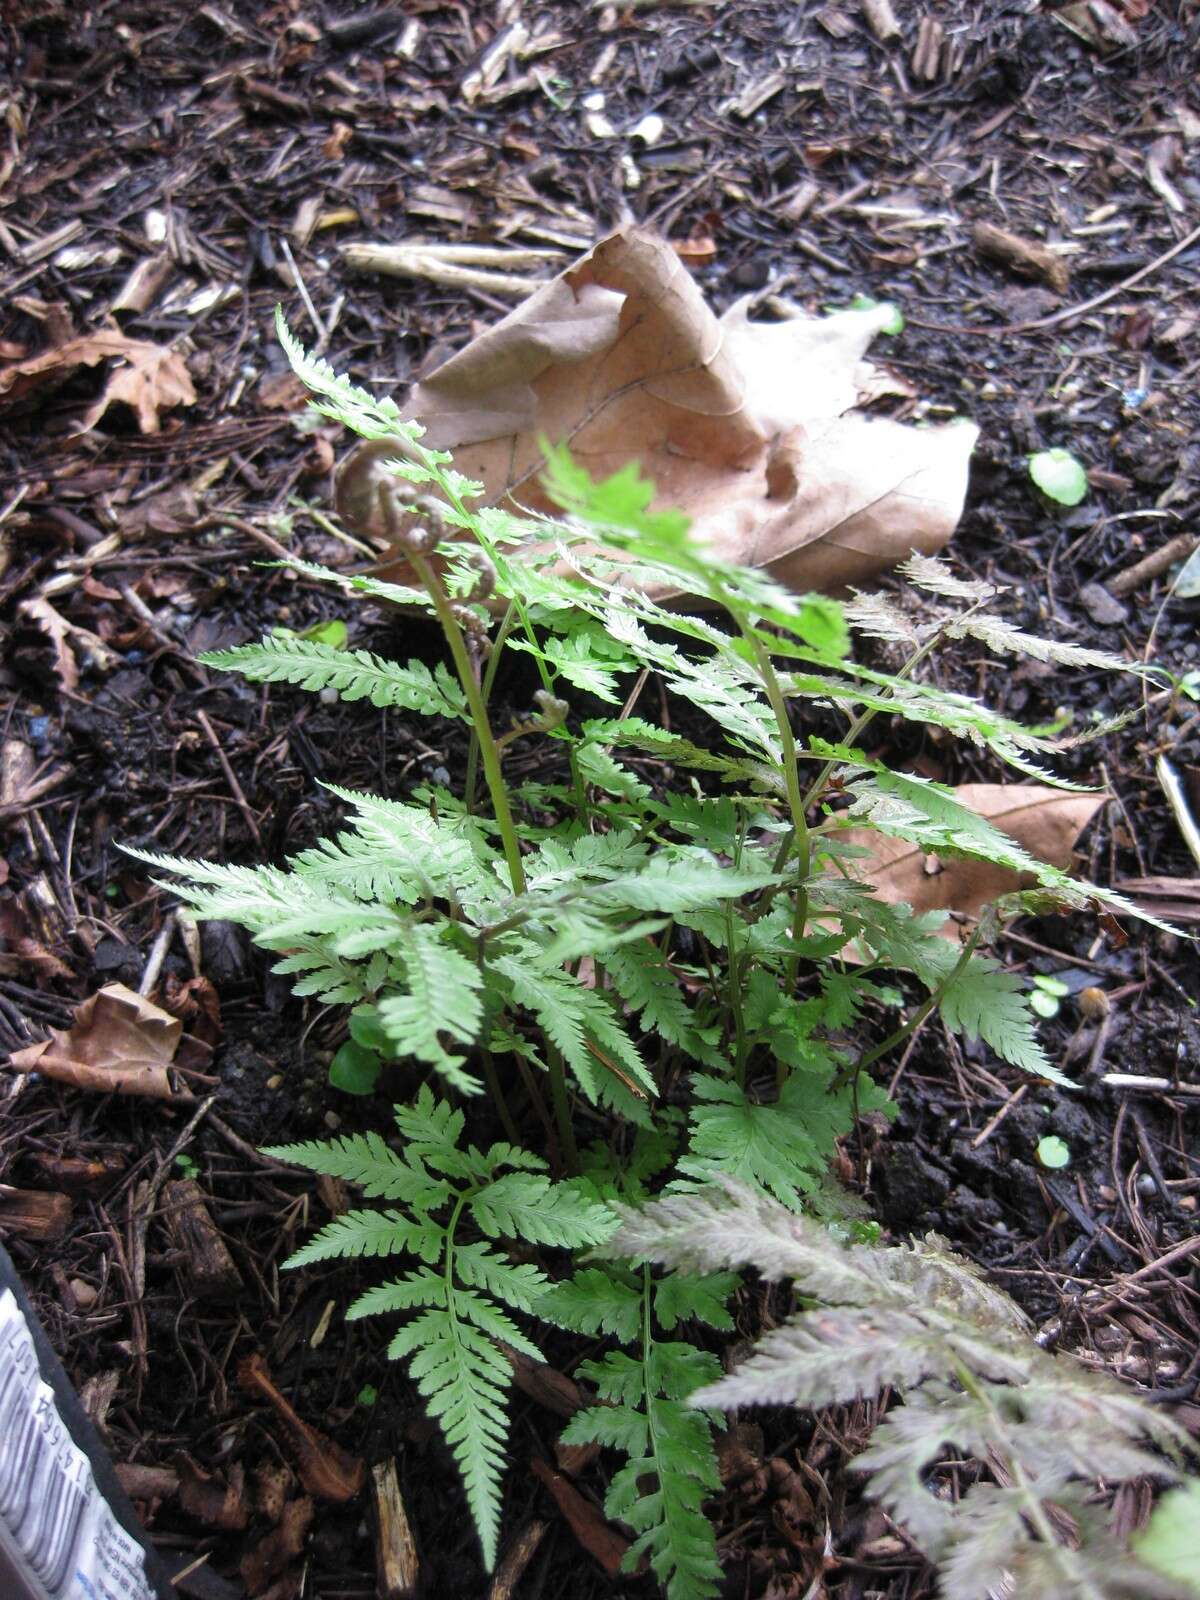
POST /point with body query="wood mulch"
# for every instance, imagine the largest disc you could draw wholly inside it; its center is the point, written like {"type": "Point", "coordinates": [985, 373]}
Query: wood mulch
{"type": "Point", "coordinates": [1022, 180]}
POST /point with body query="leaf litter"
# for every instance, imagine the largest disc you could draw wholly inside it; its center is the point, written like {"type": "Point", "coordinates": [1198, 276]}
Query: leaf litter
{"type": "Point", "coordinates": [751, 428]}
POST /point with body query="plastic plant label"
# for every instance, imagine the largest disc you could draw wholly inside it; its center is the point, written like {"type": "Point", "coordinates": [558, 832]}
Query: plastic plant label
{"type": "Point", "coordinates": [66, 1527]}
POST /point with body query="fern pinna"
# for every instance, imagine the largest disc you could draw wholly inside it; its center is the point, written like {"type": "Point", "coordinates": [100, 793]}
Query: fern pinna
{"type": "Point", "coordinates": [456, 1207]}
{"type": "Point", "coordinates": [686, 964]}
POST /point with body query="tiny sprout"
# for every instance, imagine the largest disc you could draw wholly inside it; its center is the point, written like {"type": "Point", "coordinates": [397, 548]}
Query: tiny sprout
{"type": "Point", "coordinates": [367, 1395]}
{"type": "Point", "coordinates": [1053, 1152]}
{"type": "Point", "coordinates": [1047, 995]}
{"type": "Point", "coordinates": [1059, 475]}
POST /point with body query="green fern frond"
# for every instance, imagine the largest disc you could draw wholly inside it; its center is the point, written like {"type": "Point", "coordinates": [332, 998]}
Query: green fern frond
{"type": "Point", "coordinates": [364, 1160]}
{"type": "Point", "coordinates": [443, 998]}
{"type": "Point", "coordinates": [351, 674]}
{"type": "Point", "coordinates": [371, 1233]}
{"type": "Point", "coordinates": [983, 1000]}
{"type": "Point", "coordinates": [465, 1382]}
{"type": "Point", "coordinates": [595, 1301]}
{"type": "Point", "coordinates": [525, 1205]}
{"type": "Point", "coordinates": [356, 408]}
{"type": "Point", "coordinates": [781, 1147]}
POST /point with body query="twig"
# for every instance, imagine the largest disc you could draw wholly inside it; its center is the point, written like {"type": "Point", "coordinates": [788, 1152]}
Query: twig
{"type": "Point", "coordinates": [985, 1133]}
{"type": "Point", "coordinates": [520, 1553]}
{"type": "Point", "coordinates": [158, 951]}
{"type": "Point", "coordinates": [1141, 1084]}
{"type": "Point", "coordinates": [230, 777]}
{"type": "Point", "coordinates": [1187, 1248]}
{"type": "Point", "coordinates": [302, 291]}
{"type": "Point", "coordinates": [1154, 565]}
{"type": "Point", "coordinates": [1069, 313]}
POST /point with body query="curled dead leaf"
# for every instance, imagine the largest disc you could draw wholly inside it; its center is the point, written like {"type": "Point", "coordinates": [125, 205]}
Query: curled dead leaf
{"type": "Point", "coordinates": [119, 1043]}
{"type": "Point", "coordinates": [150, 377]}
{"type": "Point", "coordinates": [1044, 820]}
{"type": "Point", "coordinates": [750, 428]}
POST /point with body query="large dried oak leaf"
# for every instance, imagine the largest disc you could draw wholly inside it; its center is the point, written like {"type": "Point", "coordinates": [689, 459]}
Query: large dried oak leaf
{"type": "Point", "coordinates": [1044, 820]}
{"type": "Point", "coordinates": [749, 427]}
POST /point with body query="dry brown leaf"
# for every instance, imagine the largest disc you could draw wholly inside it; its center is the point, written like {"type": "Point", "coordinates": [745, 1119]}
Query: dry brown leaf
{"type": "Point", "coordinates": [119, 1043]}
{"type": "Point", "coordinates": [1044, 821]}
{"type": "Point", "coordinates": [748, 427]}
{"type": "Point", "coordinates": [210, 1499]}
{"type": "Point", "coordinates": [59, 630]}
{"type": "Point", "coordinates": [152, 377]}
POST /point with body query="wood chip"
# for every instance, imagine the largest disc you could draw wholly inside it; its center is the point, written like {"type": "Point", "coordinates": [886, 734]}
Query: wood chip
{"type": "Point", "coordinates": [1153, 565]}
{"type": "Point", "coordinates": [927, 53]}
{"type": "Point", "coordinates": [757, 95]}
{"type": "Point", "coordinates": [1035, 260]}
{"type": "Point", "coordinates": [34, 1213]}
{"type": "Point", "coordinates": [396, 1570]}
{"type": "Point", "coordinates": [210, 1269]}
{"type": "Point", "coordinates": [518, 1556]}
{"type": "Point", "coordinates": [881, 19]}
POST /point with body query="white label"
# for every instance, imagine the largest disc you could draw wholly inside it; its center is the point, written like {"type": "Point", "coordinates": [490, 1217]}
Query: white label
{"type": "Point", "coordinates": [49, 1500]}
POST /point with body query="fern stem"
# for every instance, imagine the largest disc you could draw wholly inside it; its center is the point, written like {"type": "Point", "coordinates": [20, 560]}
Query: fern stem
{"type": "Point", "coordinates": [1035, 1509]}
{"type": "Point", "coordinates": [562, 1108]}
{"type": "Point", "coordinates": [487, 743]}
{"type": "Point", "coordinates": [496, 1089]}
{"type": "Point", "coordinates": [906, 1029]}
{"type": "Point", "coordinates": [485, 694]}
{"type": "Point", "coordinates": [797, 843]}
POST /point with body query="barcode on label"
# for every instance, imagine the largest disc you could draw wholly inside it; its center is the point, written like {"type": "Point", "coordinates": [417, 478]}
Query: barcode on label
{"type": "Point", "coordinates": [49, 1502]}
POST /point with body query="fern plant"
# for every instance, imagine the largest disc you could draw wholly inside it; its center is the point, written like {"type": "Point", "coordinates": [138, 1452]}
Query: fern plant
{"type": "Point", "coordinates": [593, 948]}
{"type": "Point", "coordinates": [923, 1321]}
{"type": "Point", "coordinates": [466, 1288]}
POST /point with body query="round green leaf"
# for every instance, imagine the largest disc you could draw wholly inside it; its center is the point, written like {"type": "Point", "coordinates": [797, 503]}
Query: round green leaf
{"type": "Point", "coordinates": [1059, 475]}
{"type": "Point", "coordinates": [1053, 1152]}
{"type": "Point", "coordinates": [354, 1070]}
{"type": "Point", "coordinates": [1053, 986]}
{"type": "Point", "coordinates": [1046, 1005]}
{"type": "Point", "coordinates": [333, 634]}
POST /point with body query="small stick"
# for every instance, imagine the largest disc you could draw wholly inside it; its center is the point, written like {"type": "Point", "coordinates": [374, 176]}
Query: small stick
{"type": "Point", "coordinates": [1069, 313]}
{"type": "Point", "coordinates": [1177, 800]}
{"type": "Point", "coordinates": [1140, 1083]}
{"type": "Point", "coordinates": [396, 1570]}
{"type": "Point", "coordinates": [1023, 254]}
{"type": "Point", "coordinates": [286, 249]}
{"type": "Point", "coordinates": [230, 777]}
{"type": "Point", "coordinates": [1014, 1099]}
{"type": "Point", "coordinates": [158, 952]}
{"type": "Point", "coordinates": [1154, 565]}
{"type": "Point", "coordinates": [520, 1553]}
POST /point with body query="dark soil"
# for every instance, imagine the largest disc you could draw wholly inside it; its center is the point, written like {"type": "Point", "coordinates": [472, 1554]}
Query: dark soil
{"type": "Point", "coordinates": [220, 124]}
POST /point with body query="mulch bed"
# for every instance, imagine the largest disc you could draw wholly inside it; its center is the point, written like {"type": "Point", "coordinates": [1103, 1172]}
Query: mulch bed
{"type": "Point", "coordinates": [234, 147]}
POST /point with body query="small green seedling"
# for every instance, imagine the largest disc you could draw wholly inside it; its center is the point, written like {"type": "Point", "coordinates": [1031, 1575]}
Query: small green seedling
{"type": "Point", "coordinates": [1053, 1152]}
{"type": "Point", "coordinates": [187, 1165]}
{"type": "Point", "coordinates": [1170, 1541]}
{"type": "Point", "coordinates": [1059, 475]}
{"type": "Point", "coordinates": [355, 1069]}
{"type": "Point", "coordinates": [333, 633]}
{"type": "Point", "coordinates": [1187, 584]}
{"type": "Point", "coordinates": [1047, 995]}
{"type": "Point", "coordinates": [367, 1395]}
